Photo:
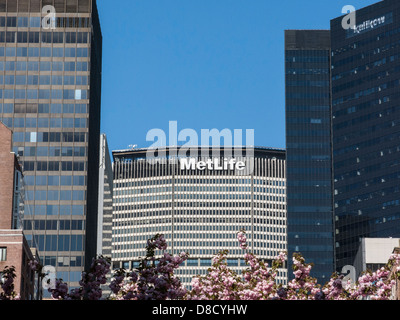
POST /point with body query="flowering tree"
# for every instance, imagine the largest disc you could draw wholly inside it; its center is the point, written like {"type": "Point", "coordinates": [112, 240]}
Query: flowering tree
{"type": "Point", "coordinates": [258, 282]}
{"type": "Point", "coordinates": [91, 282]}
{"type": "Point", "coordinates": [7, 277]}
{"type": "Point", "coordinates": [221, 283]}
{"type": "Point", "coordinates": [154, 279]}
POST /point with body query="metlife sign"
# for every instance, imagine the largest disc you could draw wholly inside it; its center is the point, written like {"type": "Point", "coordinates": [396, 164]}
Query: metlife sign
{"type": "Point", "coordinates": [215, 164]}
{"type": "Point", "coordinates": [369, 25]}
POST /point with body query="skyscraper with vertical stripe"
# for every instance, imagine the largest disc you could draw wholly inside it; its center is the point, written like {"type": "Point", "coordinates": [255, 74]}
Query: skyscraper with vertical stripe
{"type": "Point", "coordinates": [50, 90]}
{"type": "Point", "coordinates": [308, 146]}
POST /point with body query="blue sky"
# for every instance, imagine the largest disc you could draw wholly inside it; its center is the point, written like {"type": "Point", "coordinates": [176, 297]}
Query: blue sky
{"type": "Point", "coordinates": [203, 63]}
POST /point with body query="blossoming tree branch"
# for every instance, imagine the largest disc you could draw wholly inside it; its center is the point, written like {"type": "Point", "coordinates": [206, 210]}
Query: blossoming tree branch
{"type": "Point", "coordinates": [155, 279]}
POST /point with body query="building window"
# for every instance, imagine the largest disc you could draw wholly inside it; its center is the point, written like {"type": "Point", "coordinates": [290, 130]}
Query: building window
{"type": "Point", "coordinates": [3, 254]}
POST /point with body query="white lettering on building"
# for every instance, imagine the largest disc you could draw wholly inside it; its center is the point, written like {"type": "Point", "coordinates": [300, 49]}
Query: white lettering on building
{"type": "Point", "coordinates": [212, 164]}
{"type": "Point", "coordinates": [369, 24]}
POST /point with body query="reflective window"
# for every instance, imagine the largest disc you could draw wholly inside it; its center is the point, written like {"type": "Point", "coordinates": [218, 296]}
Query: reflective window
{"type": "Point", "coordinates": [35, 22]}
{"type": "Point", "coordinates": [23, 22]}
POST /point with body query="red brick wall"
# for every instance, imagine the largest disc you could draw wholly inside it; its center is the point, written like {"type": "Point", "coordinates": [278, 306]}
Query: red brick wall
{"type": "Point", "coordinates": [7, 166]}
{"type": "Point", "coordinates": [18, 251]}
{"type": "Point", "coordinates": [18, 256]}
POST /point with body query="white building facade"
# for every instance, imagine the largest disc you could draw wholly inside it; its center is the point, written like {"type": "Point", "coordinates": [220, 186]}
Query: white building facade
{"type": "Point", "coordinates": [199, 206]}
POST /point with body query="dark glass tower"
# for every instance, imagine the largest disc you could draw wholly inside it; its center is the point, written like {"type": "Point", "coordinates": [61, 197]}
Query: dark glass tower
{"type": "Point", "coordinates": [366, 127]}
{"type": "Point", "coordinates": [308, 144]}
{"type": "Point", "coordinates": [50, 88]}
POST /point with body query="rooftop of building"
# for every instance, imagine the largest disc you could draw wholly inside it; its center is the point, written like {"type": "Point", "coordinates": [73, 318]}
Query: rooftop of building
{"type": "Point", "coordinates": [141, 153]}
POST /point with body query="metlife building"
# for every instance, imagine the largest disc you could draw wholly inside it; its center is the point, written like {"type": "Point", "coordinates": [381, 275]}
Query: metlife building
{"type": "Point", "coordinates": [366, 122]}
{"type": "Point", "coordinates": [199, 204]}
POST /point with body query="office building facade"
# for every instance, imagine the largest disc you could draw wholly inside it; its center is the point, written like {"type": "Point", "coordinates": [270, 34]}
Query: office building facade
{"type": "Point", "coordinates": [199, 209]}
{"type": "Point", "coordinates": [373, 254]}
{"type": "Point", "coordinates": [50, 89]}
{"type": "Point", "coordinates": [366, 120]}
{"type": "Point", "coordinates": [104, 236]}
{"type": "Point", "coordinates": [105, 215]}
{"type": "Point", "coordinates": [308, 148]}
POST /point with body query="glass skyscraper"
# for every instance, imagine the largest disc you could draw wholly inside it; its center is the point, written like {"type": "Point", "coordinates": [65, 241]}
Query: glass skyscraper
{"type": "Point", "coordinates": [366, 127]}
{"type": "Point", "coordinates": [50, 88]}
{"type": "Point", "coordinates": [308, 147]}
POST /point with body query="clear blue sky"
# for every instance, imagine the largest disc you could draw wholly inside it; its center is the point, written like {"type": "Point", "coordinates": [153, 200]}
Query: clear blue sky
{"type": "Point", "coordinates": [204, 63]}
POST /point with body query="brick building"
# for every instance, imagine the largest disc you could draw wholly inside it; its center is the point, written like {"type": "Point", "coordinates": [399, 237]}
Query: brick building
{"type": "Point", "coordinates": [14, 249]}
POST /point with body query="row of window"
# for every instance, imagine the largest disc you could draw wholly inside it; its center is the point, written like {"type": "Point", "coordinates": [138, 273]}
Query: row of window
{"type": "Point", "coordinates": [367, 92]}
{"type": "Point", "coordinates": [363, 106]}
{"type": "Point", "coordinates": [66, 123]}
{"type": "Point", "coordinates": [21, 80]}
{"type": "Point", "coordinates": [232, 205]}
{"type": "Point", "coordinates": [310, 196]}
{"type": "Point", "coordinates": [369, 183]}
{"type": "Point", "coordinates": [49, 137]}
{"type": "Point", "coordinates": [44, 52]}
{"type": "Point", "coordinates": [386, 152]}
{"type": "Point", "coordinates": [367, 144]}
{"type": "Point", "coordinates": [55, 181]}
{"type": "Point", "coordinates": [309, 145]}
{"type": "Point", "coordinates": [364, 68]}
{"type": "Point", "coordinates": [53, 166]}
{"type": "Point", "coordinates": [193, 180]}
{"type": "Point", "coordinates": [203, 244]}
{"type": "Point", "coordinates": [305, 120]}
{"type": "Point", "coordinates": [308, 95]}
{"type": "Point", "coordinates": [73, 261]}
{"type": "Point", "coordinates": [199, 197]}
{"type": "Point", "coordinates": [367, 79]}
{"type": "Point", "coordinates": [368, 54]}
{"type": "Point", "coordinates": [59, 243]}
{"type": "Point", "coordinates": [56, 210]}
{"type": "Point", "coordinates": [187, 188]}
{"type": "Point", "coordinates": [44, 66]}
{"type": "Point", "coordinates": [54, 225]}
{"type": "Point", "coordinates": [376, 208]}
{"type": "Point", "coordinates": [44, 37]}
{"type": "Point", "coordinates": [192, 252]}
{"type": "Point", "coordinates": [190, 225]}
{"type": "Point", "coordinates": [305, 56]}
{"type": "Point", "coordinates": [56, 195]}
{"type": "Point", "coordinates": [50, 151]}
{"type": "Point", "coordinates": [365, 42]}
{"type": "Point", "coordinates": [309, 183]}
{"type": "Point", "coordinates": [53, 108]}
{"type": "Point", "coordinates": [307, 71]}
{"type": "Point", "coordinates": [308, 132]}
{"type": "Point", "coordinates": [368, 169]}
{"type": "Point", "coordinates": [315, 171]}
{"type": "Point", "coordinates": [368, 196]}
{"type": "Point", "coordinates": [190, 204]}
{"type": "Point", "coordinates": [44, 94]}
{"type": "Point", "coordinates": [36, 22]}
{"type": "Point", "coordinates": [366, 118]}
{"type": "Point", "coordinates": [224, 216]}
{"type": "Point", "coordinates": [308, 108]}
{"type": "Point", "coordinates": [308, 83]}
